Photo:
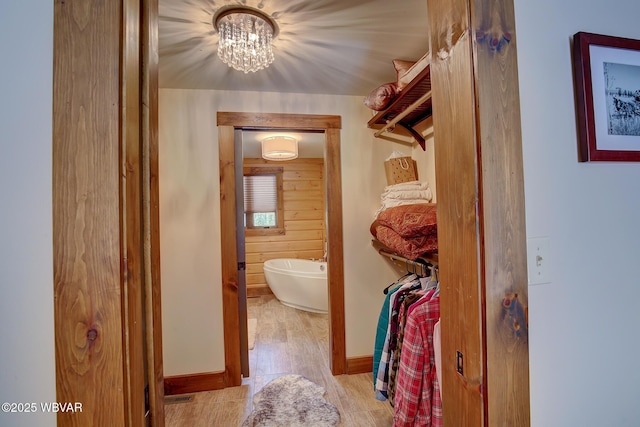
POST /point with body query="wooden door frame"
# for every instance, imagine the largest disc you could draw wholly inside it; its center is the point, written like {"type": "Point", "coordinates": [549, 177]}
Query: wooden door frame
{"type": "Point", "coordinates": [106, 256]}
{"type": "Point", "coordinates": [330, 126]}
{"type": "Point", "coordinates": [481, 215]}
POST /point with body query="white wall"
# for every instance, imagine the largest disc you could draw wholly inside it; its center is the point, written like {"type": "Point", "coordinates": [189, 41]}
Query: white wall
{"type": "Point", "coordinates": [27, 366]}
{"type": "Point", "coordinates": [584, 324]}
{"type": "Point", "coordinates": [190, 219]}
{"type": "Point", "coordinates": [427, 162]}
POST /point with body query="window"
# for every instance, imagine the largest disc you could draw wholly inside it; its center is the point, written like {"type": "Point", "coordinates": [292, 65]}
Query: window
{"type": "Point", "coordinates": [263, 213]}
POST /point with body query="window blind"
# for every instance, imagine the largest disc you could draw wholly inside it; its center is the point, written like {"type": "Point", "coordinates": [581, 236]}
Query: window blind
{"type": "Point", "coordinates": [260, 193]}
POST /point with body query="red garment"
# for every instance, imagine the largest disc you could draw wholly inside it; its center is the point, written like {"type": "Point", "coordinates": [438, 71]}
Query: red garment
{"type": "Point", "coordinates": [417, 398]}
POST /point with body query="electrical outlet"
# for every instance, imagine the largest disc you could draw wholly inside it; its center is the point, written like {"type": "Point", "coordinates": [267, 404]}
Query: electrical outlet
{"type": "Point", "coordinates": [538, 260]}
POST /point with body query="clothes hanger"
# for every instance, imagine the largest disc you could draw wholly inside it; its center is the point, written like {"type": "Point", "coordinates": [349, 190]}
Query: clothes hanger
{"type": "Point", "coordinates": [400, 279]}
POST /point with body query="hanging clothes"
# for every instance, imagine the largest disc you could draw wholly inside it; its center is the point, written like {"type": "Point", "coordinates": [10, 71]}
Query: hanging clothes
{"type": "Point", "coordinates": [417, 399]}
{"type": "Point", "coordinates": [382, 376]}
{"type": "Point", "coordinates": [408, 301]}
{"type": "Point", "coordinates": [383, 321]}
{"type": "Point", "coordinates": [405, 359]}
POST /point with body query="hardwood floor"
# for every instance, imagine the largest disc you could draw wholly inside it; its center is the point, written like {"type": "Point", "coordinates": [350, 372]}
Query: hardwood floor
{"type": "Point", "coordinates": [288, 341]}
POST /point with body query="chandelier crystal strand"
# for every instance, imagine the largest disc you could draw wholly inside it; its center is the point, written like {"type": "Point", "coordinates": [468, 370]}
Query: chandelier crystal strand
{"type": "Point", "coordinates": [245, 42]}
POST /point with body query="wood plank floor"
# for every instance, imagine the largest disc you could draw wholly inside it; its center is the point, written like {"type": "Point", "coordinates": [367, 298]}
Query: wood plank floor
{"type": "Point", "coordinates": [288, 341]}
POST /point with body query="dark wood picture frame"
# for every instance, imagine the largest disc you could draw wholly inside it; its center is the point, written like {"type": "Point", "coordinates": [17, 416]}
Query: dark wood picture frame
{"type": "Point", "coordinates": [608, 114]}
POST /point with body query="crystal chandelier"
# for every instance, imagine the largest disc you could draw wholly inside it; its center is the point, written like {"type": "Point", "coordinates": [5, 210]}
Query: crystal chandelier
{"type": "Point", "coordinates": [245, 38]}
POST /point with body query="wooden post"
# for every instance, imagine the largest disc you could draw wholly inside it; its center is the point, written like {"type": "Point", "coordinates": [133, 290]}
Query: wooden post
{"type": "Point", "coordinates": [481, 233]}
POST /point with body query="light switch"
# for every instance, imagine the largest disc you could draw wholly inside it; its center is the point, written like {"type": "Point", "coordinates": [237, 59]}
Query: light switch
{"type": "Point", "coordinates": [538, 260]}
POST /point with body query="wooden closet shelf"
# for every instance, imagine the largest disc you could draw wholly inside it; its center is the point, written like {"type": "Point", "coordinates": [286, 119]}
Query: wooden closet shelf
{"type": "Point", "coordinates": [411, 107]}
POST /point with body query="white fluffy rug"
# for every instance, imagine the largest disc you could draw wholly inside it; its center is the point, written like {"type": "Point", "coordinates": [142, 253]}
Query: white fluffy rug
{"type": "Point", "coordinates": [292, 401]}
{"type": "Point", "coordinates": [252, 325]}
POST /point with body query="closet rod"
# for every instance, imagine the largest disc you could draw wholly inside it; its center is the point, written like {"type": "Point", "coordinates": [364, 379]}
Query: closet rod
{"type": "Point", "coordinates": [418, 268]}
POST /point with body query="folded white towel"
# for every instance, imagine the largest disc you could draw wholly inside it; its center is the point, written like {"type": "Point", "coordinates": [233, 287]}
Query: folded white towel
{"type": "Point", "coordinates": [410, 185]}
{"type": "Point", "coordinates": [405, 193]}
{"type": "Point", "coordinates": [389, 203]}
{"type": "Point", "coordinates": [408, 194]}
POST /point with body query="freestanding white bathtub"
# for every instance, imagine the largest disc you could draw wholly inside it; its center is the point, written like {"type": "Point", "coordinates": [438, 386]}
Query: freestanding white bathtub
{"type": "Point", "coordinates": [299, 283]}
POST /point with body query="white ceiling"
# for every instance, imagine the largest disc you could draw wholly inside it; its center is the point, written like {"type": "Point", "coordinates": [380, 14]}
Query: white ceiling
{"type": "Point", "coordinates": [341, 47]}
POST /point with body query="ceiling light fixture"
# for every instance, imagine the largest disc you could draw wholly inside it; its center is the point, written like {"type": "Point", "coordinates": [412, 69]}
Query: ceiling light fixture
{"type": "Point", "coordinates": [245, 36]}
{"type": "Point", "coordinates": [280, 148]}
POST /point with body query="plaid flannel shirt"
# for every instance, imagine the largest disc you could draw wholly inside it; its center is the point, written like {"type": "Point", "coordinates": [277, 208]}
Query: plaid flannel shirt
{"type": "Point", "coordinates": [417, 399]}
{"type": "Point", "coordinates": [409, 299]}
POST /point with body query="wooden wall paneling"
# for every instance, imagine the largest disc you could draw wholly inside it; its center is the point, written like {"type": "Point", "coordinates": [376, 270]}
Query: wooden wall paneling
{"type": "Point", "coordinates": [280, 246]}
{"type": "Point", "coordinates": [151, 213]}
{"type": "Point", "coordinates": [503, 214]}
{"type": "Point", "coordinates": [260, 257]}
{"type": "Point", "coordinates": [301, 195]}
{"type": "Point", "coordinates": [313, 214]}
{"type": "Point", "coordinates": [302, 175]}
{"type": "Point", "coordinates": [456, 174]}
{"type": "Point", "coordinates": [294, 225]}
{"type": "Point", "coordinates": [302, 205]}
{"type": "Point", "coordinates": [304, 185]}
{"type": "Point", "coordinates": [309, 196]}
{"type": "Point", "coordinates": [87, 201]}
{"type": "Point", "coordinates": [233, 371]}
{"type": "Point", "coordinates": [291, 236]}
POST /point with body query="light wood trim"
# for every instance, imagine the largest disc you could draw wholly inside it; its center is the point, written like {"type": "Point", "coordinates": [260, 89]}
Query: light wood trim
{"type": "Point", "coordinates": [151, 213]}
{"type": "Point", "coordinates": [231, 322]}
{"type": "Point", "coordinates": [335, 256]}
{"type": "Point", "coordinates": [502, 228]}
{"type": "Point", "coordinates": [359, 365]}
{"type": "Point", "coordinates": [194, 383]}
{"type": "Point", "coordinates": [279, 121]}
{"type": "Point", "coordinates": [89, 238]}
{"type": "Point", "coordinates": [226, 123]}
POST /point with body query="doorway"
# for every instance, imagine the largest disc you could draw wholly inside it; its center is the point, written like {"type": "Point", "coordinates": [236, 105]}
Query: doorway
{"type": "Point", "coordinates": [329, 125]}
{"type": "Point", "coordinates": [280, 214]}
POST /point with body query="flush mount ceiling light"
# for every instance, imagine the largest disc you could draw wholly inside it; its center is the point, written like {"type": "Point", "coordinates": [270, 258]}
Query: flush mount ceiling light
{"type": "Point", "coordinates": [279, 148]}
{"type": "Point", "coordinates": [245, 37]}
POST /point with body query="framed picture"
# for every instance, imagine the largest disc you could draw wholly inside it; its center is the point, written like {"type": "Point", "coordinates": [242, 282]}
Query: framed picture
{"type": "Point", "coordinates": [607, 88]}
